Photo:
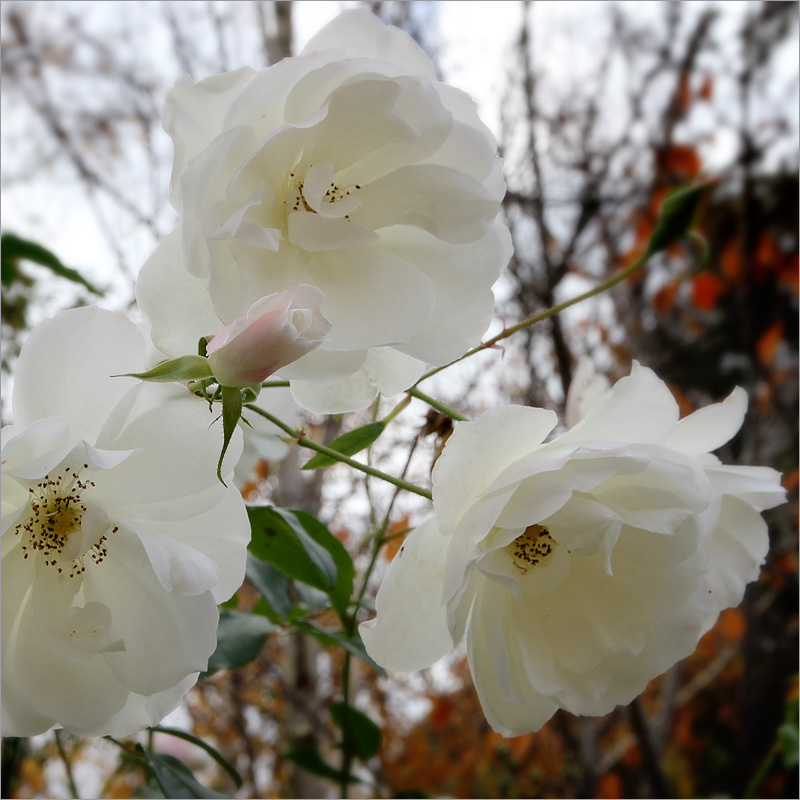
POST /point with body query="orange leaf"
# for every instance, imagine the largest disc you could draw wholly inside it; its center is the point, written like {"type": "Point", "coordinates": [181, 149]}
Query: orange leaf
{"type": "Point", "coordinates": [707, 288]}
{"type": "Point", "coordinates": [394, 544]}
{"type": "Point", "coordinates": [768, 343]}
{"type": "Point", "coordinates": [731, 260]}
{"type": "Point", "coordinates": [732, 624]}
{"type": "Point", "coordinates": [610, 785]}
{"type": "Point", "coordinates": [682, 161]}
{"type": "Point", "coordinates": [706, 90]}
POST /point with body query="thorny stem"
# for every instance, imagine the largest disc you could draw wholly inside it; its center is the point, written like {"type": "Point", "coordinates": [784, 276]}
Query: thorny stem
{"type": "Point", "coordinates": [618, 278]}
{"type": "Point", "coordinates": [320, 448]}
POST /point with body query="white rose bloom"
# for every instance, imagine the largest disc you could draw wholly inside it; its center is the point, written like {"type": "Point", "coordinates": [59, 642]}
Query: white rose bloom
{"type": "Point", "coordinates": [350, 168]}
{"type": "Point", "coordinates": [581, 568]}
{"type": "Point", "coordinates": [118, 541]}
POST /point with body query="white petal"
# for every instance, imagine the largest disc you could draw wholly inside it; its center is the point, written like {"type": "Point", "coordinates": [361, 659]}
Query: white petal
{"type": "Point", "coordinates": [167, 636]}
{"type": "Point", "coordinates": [392, 372]}
{"type": "Point", "coordinates": [511, 705]}
{"type": "Point", "coordinates": [78, 351]}
{"type": "Point", "coordinates": [315, 233]}
{"type": "Point", "coordinates": [140, 711]}
{"type": "Point", "coordinates": [75, 694]}
{"type": "Point", "coordinates": [180, 568]}
{"type": "Point", "coordinates": [176, 302]}
{"type": "Point", "coordinates": [586, 391]}
{"type": "Point", "coordinates": [639, 408]}
{"type": "Point", "coordinates": [193, 113]}
{"type": "Point", "coordinates": [758, 486]}
{"type": "Point", "coordinates": [385, 302]}
{"type": "Point", "coordinates": [323, 366]}
{"type": "Point", "coordinates": [352, 393]}
{"type": "Point", "coordinates": [360, 34]}
{"type": "Point", "coordinates": [461, 276]}
{"type": "Point", "coordinates": [179, 451]}
{"type": "Point", "coordinates": [738, 548]}
{"type": "Point", "coordinates": [709, 428]}
{"type": "Point", "coordinates": [19, 717]}
{"type": "Point", "coordinates": [410, 631]}
{"type": "Point", "coordinates": [441, 200]}
{"type": "Point", "coordinates": [211, 531]}
{"type": "Point", "coordinates": [477, 451]}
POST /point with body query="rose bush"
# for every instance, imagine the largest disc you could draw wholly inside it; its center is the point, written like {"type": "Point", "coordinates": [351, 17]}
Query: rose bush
{"type": "Point", "coordinates": [349, 168]}
{"type": "Point", "coordinates": [117, 539]}
{"type": "Point", "coordinates": [277, 330]}
{"type": "Point", "coordinates": [580, 568]}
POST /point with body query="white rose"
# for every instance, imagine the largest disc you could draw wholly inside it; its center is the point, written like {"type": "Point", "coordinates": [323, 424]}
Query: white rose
{"type": "Point", "coordinates": [350, 168]}
{"type": "Point", "coordinates": [581, 568]}
{"type": "Point", "coordinates": [118, 541]}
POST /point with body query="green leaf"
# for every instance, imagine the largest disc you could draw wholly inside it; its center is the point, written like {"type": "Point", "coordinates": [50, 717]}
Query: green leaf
{"type": "Point", "coordinates": [357, 728]}
{"type": "Point", "coordinates": [173, 777]}
{"type": "Point", "coordinates": [240, 638]}
{"type": "Point", "coordinates": [675, 217]}
{"type": "Point", "coordinates": [185, 368]}
{"type": "Point", "coordinates": [271, 585]}
{"type": "Point", "coordinates": [338, 638]}
{"type": "Point", "coordinates": [231, 412]}
{"type": "Point", "coordinates": [308, 757]}
{"type": "Point", "coordinates": [279, 538]}
{"type": "Point", "coordinates": [190, 737]}
{"type": "Point", "coordinates": [348, 444]}
{"type": "Point", "coordinates": [345, 572]}
{"type": "Point", "coordinates": [15, 248]}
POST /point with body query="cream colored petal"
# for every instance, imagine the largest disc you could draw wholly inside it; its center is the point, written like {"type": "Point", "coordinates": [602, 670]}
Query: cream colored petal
{"type": "Point", "coordinates": [410, 630]}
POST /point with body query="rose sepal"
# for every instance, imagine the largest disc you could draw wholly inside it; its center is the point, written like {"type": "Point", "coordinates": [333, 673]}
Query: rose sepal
{"type": "Point", "coordinates": [183, 369]}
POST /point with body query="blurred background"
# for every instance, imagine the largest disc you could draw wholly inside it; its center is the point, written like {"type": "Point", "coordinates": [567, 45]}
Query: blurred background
{"type": "Point", "coordinates": [599, 110]}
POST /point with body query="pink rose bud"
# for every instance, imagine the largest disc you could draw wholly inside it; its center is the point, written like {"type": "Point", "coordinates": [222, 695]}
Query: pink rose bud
{"type": "Point", "coordinates": [278, 329]}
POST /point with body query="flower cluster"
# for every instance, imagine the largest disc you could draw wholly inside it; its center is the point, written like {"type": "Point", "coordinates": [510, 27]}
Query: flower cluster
{"type": "Point", "coordinates": [579, 568]}
{"type": "Point", "coordinates": [339, 230]}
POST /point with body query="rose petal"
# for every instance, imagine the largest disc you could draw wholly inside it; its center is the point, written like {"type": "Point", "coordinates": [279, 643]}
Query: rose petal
{"type": "Point", "coordinates": [409, 606]}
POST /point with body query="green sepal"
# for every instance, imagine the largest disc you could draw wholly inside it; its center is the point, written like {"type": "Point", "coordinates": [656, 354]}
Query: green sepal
{"type": "Point", "coordinates": [231, 412]}
{"type": "Point", "coordinates": [348, 444]}
{"type": "Point", "coordinates": [357, 729]}
{"type": "Point", "coordinates": [675, 217]}
{"type": "Point", "coordinates": [185, 368]}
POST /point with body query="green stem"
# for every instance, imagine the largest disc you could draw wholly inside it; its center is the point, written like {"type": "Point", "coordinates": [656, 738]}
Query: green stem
{"type": "Point", "coordinates": [276, 383]}
{"type": "Point", "coordinates": [320, 448]}
{"type": "Point", "coordinates": [526, 323]}
{"type": "Point", "coordinates": [401, 406]}
{"type": "Point", "coordinates": [441, 407]}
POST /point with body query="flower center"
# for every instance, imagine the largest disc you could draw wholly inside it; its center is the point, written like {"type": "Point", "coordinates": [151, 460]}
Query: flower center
{"type": "Point", "coordinates": [316, 192]}
{"type": "Point", "coordinates": [55, 525]}
{"type": "Point", "coordinates": [534, 548]}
